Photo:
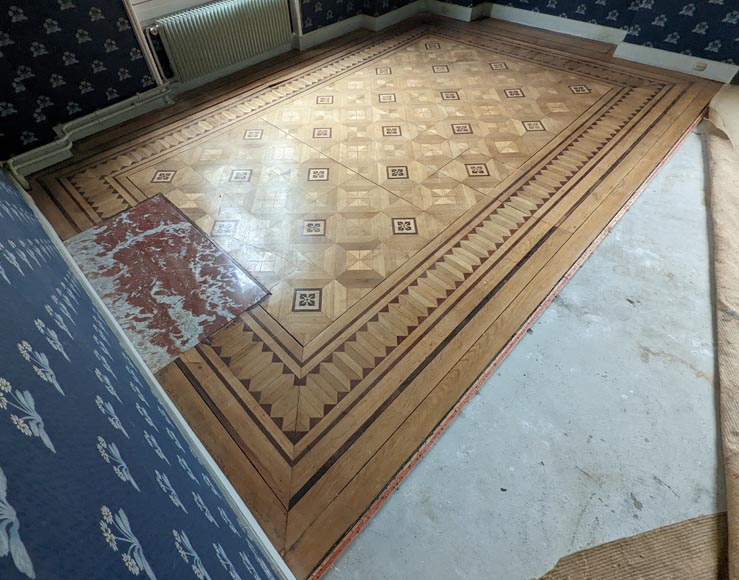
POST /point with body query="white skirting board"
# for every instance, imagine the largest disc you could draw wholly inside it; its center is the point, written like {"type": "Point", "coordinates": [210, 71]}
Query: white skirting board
{"type": "Point", "coordinates": [377, 23]}
{"type": "Point", "coordinates": [232, 497]}
{"type": "Point", "coordinates": [558, 24]}
{"type": "Point", "coordinates": [714, 70]}
{"type": "Point", "coordinates": [59, 150]}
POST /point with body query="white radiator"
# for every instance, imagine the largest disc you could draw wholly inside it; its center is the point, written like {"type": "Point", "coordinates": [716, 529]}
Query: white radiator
{"type": "Point", "coordinates": [209, 38]}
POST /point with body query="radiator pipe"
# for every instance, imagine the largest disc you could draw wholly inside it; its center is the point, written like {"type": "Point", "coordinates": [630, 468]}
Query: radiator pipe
{"type": "Point", "coordinates": [145, 50]}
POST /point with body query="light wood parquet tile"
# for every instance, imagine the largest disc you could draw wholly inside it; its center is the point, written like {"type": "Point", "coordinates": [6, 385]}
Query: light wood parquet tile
{"type": "Point", "coordinates": [409, 200]}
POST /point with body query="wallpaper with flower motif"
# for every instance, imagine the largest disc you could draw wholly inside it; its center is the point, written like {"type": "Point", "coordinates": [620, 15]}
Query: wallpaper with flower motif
{"type": "Point", "coordinates": [704, 28]}
{"type": "Point", "coordinates": [96, 481]}
{"type": "Point", "coordinates": [60, 59]}
{"type": "Point", "coordinates": [708, 28]}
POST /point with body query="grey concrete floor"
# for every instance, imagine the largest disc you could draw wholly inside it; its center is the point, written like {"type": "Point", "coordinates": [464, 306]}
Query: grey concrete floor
{"type": "Point", "coordinates": [602, 423]}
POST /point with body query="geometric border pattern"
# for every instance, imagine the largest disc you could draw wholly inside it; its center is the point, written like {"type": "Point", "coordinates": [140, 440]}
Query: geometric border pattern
{"type": "Point", "coordinates": [308, 477]}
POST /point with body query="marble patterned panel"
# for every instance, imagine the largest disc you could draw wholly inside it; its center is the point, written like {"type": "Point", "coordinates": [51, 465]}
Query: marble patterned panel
{"type": "Point", "coordinates": [167, 284]}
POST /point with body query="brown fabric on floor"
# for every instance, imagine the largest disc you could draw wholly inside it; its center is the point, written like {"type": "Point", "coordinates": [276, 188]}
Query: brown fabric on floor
{"type": "Point", "coordinates": [691, 550]}
{"type": "Point", "coordinates": [724, 112]}
{"type": "Point", "coordinates": [723, 169]}
{"type": "Point", "coordinates": [706, 547]}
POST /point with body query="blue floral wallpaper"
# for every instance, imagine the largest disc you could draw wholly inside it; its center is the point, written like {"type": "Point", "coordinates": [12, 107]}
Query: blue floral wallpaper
{"type": "Point", "coordinates": [96, 481]}
{"type": "Point", "coordinates": [708, 28]}
{"type": "Point", "coordinates": [319, 13]}
{"type": "Point", "coordinates": [704, 28]}
{"type": "Point", "coordinates": [61, 59]}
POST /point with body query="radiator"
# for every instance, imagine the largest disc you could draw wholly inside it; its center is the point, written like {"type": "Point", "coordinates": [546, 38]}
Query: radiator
{"type": "Point", "coordinates": [215, 36]}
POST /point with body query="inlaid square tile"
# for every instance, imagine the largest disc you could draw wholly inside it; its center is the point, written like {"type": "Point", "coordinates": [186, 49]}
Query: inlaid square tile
{"type": "Point", "coordinates": [477, 170]}
{"type": "Point", "coordinates": [391, 131]}
{"type": "Point", "coordinates": [272, 175]}
{"type": "Point", "coordinates": [307, 299]}
{"type": "Point", "coordinates": [513, 93]}
{"type": "Point", "coordinates": [318, 174]}
{"type": "Point", "coordinates": [224, 227]}
{"type": "Point", "coordinates": [269, 200]}
{"type": "Point", "coordinates": [405, 226]}
{"type": "Point", "coordinates": [354, 153]}
{"type": "Point", "coordinates": [240, 175]}
{"type": "Point", "coordinates": [164, 176]}
{"type": "Point", "coordinates": [533, 126]}
{"type": "Point", "coordinates": [361, 260]}
{"type": "Point", "coordinates": [356, 116]}
{"type": "Point", "coordinates": [441, 196]}
{"type": "Point", "coordinates": [388, 140]}
{"type": "Point", "coordinates": [282, 153]}
{"type": "Point", "coordinates": [558, 107]}
{"type": "Point", "coordinates": [314, 227]}
{"type": "Point", "coordinates": [506, 146]}
{"type": "Point", "coordinates": [461, 128]}
{"type": "Point", "coordinates": [397, 172]}
{"type": "Point", "coordinates": [211, 154]}
{"type": "Point", "coordinates": [579, 89]}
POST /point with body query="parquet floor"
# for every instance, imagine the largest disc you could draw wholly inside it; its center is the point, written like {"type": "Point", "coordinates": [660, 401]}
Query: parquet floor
{"type": "Point", "coordinates": [409, 198]}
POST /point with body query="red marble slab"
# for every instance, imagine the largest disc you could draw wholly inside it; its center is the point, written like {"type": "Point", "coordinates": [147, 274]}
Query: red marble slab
{"type": "Point", "coordinates": [168, 285]}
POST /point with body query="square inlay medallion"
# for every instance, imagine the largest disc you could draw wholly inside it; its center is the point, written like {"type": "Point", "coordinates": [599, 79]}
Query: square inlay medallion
{"type": "Point", "coordinates": [322, 133]}
{"type": "Point", "coordinates": [397, 172]}
{"type": "Point", "coordinates": [498, 66]}
{"type": "Point", "coordinates": [164, 176]}
{"type": "Point", "coordinates": [405, 226]}
{"type": "Point", "coordinates": [513, 93]}
{"type": "Point", "coordinates": [314, 228]}
{"type": "Point", "coordinates": [387, 98]}
{"type": "Point", "coordinates": [391, 131]}
{"type": "Point", "coordinates": [318, 174]}
{"type": "Point", "coordinates": [440, 68]}
{"type": "Point", "coordinates": [307, 299]}
{"type": "Point", "coordinates": [461, 128]}
{"type": "Point", "coordinates": [253, 134]}
{"type": "Point", "coordinates": [477, 170]}
{"type": "Point", "coordinates": [240, 175]}
{"type": "Point", "coordinates": [579, 89]}
{"type": "Point", "coordinates": [450, 95]}
{"type": "Point", "coordinates": [433, 46]}
{"type": "Point", "coordinates": [533, 126]}
{"type": "Point", "coordinates": [384, 70]}
{"type": "Point", "coordinates": [224, 227]}
{"type": "Point", "coordinates": [325, 100]}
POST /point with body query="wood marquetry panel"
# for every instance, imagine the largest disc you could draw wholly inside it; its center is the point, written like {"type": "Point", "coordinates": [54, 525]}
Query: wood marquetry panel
{"type": "Point", "coordinates": [409, 199]}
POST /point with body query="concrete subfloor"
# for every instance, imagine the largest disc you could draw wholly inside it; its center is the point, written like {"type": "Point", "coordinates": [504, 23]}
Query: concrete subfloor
{"type": "Point", "coordinates": [602, 423]}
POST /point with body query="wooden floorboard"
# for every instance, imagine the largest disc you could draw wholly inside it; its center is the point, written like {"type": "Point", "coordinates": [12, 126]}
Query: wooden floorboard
{"type": "Point", "coordinates": [409, 198]}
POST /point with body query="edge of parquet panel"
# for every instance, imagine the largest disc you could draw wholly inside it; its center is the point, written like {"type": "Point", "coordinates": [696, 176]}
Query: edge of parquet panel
{"type": "Point", "coordinates": [563, 250]}
{"type": "Point", "coordinates": [309, 530]}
